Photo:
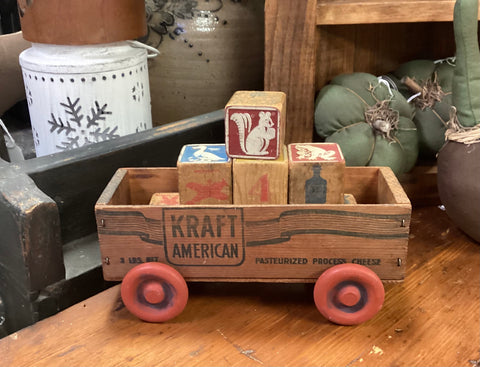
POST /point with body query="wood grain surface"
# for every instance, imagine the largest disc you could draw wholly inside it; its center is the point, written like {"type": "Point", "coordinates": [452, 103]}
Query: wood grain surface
{"type": "Point", "coordinates": [290, 62]}
{"type": "Point", "coordinates": [431, 319]}
{"type": "Point", "coordinates": [378, 48]}
{"type": "Point", "coordinates": [383, 11]}
{"type": "Point", "coordinates": [261, 181]}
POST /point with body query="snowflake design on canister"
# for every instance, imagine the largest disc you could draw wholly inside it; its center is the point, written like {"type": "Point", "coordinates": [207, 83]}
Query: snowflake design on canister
{"type": "Point", "coordinates": [28, 94]}
{"type": "Point", "coordinates": [80, 130]}
{"type": "Point", "coordinates": [138, 92]}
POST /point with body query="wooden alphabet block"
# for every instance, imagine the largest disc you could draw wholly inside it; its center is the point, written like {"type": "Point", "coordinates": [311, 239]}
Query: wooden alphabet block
{"type": "Point", "coordinates": [165, 198]}
{"type": "Point", "coordinates": [204, 174]}
{"type": "Point", "coordinates": [255, 124]}
{"type": "Point", "coordinates": [258, 181]}
{"type": "Point", "coordinates": [349, 199]}
{"type": "Point", "coordinates": [316, 173]}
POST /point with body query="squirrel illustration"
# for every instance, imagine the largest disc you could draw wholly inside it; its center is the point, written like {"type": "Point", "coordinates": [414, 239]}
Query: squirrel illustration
{"type": "Point", "coordinates": [254, 141]}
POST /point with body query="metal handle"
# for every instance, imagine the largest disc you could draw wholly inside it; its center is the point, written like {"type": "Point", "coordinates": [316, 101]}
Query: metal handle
{"type": "Point", "coordinates": [153, 51]}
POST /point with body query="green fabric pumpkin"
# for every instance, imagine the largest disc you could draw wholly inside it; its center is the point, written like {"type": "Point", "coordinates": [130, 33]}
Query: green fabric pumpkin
{"type": "Point", "coordinates": [371, 122]}
{"type": "Point", "coordinates": [432, 83]}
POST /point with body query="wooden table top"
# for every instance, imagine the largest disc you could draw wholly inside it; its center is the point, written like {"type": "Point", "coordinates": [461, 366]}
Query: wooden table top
{"type": "Point", "coordinates": [431, 319]}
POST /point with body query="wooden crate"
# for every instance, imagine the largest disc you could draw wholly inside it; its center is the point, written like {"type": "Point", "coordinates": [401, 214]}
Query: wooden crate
{"type": "Point", "coordinates": [268, 243]}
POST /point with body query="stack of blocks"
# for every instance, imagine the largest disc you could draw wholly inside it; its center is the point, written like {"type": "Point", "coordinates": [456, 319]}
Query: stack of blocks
{"type": "Point", "coordinates": [254, 137]}
{"type": "Point", "coordinates": [255, 166]}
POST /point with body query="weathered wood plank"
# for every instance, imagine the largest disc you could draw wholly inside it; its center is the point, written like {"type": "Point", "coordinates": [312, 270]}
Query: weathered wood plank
{"type": "Point", "coordinates": [31, 252]}
{"type": "Point", "coordinates": [383, 11]}
{"type": "Point", "coordinates": [290, 62]}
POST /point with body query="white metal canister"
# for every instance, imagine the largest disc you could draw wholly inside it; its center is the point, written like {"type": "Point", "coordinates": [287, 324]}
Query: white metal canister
{"type": "Point", "coordinates": [78, 95]}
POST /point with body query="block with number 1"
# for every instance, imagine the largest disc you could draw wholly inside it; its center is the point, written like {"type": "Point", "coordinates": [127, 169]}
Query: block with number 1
{"type": "Point", "coordinates": [258, 181]}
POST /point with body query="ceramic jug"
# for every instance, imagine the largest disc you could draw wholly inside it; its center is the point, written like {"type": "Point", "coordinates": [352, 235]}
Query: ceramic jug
{"type": "Point", "coordinates": [208, 50]}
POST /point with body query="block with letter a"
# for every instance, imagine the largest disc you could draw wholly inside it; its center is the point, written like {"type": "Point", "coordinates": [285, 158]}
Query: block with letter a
{"type": "Point", "coordinates": [316, 173]}
{"type": "Point", "coordinates": [204, 174]}
{"type": "Point", "coordinates": [255, 124]}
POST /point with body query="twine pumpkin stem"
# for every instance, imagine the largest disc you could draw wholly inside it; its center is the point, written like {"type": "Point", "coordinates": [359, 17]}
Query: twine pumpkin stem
{"type": "Point", "coordinates": [461, 134]}
{"type": "Point", "coordinates": [382, 118]}
{"type": "Point", "coordinates": [430, 91]}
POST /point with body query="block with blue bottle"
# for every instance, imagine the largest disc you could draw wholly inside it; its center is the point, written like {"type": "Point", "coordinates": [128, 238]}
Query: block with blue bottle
{"type": "Point", "coordinates": [316, 173]}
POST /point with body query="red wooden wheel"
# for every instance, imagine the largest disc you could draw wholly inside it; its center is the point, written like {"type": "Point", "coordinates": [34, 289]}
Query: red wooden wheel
{"type": "Point", "coordinates": [154, 292]}
{"type": "Point", "coordinates": [349, 294]}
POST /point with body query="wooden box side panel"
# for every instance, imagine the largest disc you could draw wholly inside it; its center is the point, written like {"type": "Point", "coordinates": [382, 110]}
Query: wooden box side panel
{"type": "Point", "coordinates": [390, 191]}
{"type": "Point", "coordinates": [144, 182]}
{"type": "Point", "coordinates": [374, 185]}
{"type": "Point", "coordinates": [296, 242]}
{"type": "Point", "coordinates": [117, 190]}
{"type": "Point", "coordinates": [362, 183]}
{"type": "Point", "coordinates": [135, 186]}
{"type": "Point", "coordinates": [293, 41]}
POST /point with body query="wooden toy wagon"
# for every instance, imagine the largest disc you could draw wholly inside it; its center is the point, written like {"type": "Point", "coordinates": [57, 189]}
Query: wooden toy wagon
{"type": "Point", "coordinates": [348, 250]}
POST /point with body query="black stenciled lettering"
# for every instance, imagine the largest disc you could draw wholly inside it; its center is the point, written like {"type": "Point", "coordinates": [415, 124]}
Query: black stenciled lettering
{"type": "Point", "coordinates": [279, 260]}
{"type": "Point", "coordinates": [176, 251]}
{"type": "Point", "coordinates": [220, 223]}
{"type": "Point", "coordinates": [205, 248]}
{"type": "Point", "coordinates": [329, 261]}
{"type": "Point", "coordinates": [196, 251]}
{"type": "Point", "coordinates": [176, 226]}
{"type": "Point", "coordinates": [207, 227]}
{"type": "Point", "coordinates": [192, 224]}
{"type": "Point", "coordinates": [234, 250]}
{"type": "Point", "coordinates": [366, 261]}
{"type": "Point", "coordinates": [187, 250]}
{"type": "Point", "coordinates": [232, 224]}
